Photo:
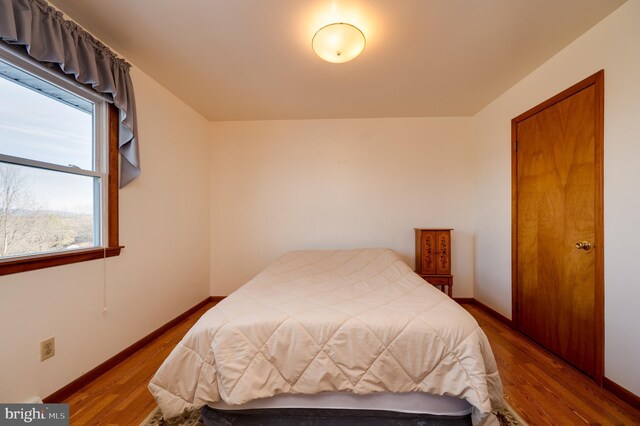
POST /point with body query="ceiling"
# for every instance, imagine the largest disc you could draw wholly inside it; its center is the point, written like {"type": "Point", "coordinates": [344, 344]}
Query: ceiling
{"type": "Point", "coordinates": [252, 59]}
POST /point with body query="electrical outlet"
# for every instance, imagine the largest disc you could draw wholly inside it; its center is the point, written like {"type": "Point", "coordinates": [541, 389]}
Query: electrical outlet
{"type": "Point", "coordinates": [47, 348]}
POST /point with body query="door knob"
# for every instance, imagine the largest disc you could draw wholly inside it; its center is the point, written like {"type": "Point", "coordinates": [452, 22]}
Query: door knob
{"type": "Point", "coordinates": [583, 245]}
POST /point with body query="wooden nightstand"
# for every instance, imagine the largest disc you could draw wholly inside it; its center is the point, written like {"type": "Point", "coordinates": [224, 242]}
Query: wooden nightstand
{"type": "Point", "coordinates": [433, 257]}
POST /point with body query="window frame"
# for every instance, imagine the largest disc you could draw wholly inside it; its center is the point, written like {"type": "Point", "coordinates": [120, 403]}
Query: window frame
{"type": "Point", "coordinates": [106, 162]}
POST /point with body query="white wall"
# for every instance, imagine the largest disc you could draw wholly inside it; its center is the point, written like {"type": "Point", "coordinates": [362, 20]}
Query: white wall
{"type": "Point", "coordinates": [162, 271]}
{"type": "Point", "coordinates": [278, 186]}
{"type": "Point", "coordinates": [611, 45]}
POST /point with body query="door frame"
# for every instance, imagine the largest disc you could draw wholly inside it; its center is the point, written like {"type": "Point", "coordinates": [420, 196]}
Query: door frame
{"type": "Point", "coordinates": [596, 80]}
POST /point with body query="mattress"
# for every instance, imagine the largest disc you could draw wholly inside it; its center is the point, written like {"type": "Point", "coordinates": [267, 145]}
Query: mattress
{"type": "Point", "coordinates": [352, 321]}
{"type": "Point", "coordinates": [409, 402]}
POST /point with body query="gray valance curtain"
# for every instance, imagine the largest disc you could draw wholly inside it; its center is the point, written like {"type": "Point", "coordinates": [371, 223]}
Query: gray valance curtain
{"type": "Point", "coordinates": [48, 37]}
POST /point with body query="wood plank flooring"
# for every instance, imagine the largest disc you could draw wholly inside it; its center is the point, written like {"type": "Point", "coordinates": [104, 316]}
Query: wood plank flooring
{"type": "Point", "coordinates": [120, 396]}
{"type": "Point", "coordinates": [543, 389]}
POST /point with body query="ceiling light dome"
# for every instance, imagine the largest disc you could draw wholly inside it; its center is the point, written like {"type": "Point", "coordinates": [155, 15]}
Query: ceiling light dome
{"type": "Point", "coordinates": [338, 42]}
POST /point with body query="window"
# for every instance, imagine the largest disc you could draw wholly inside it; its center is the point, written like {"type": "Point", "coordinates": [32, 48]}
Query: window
{"type": "Point", "coordinates": [58, 195]}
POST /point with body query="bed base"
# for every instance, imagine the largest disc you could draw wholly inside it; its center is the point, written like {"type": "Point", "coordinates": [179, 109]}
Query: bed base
{"type": "Point", "coordinates": [324, 417]}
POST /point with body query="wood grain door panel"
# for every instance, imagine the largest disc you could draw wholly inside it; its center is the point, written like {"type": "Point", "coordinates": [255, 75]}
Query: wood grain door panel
{"type": "Point", "coordinates": [556, 186]}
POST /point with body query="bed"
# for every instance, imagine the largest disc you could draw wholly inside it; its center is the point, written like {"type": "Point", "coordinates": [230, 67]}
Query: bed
{"type": "Point", "coordinates": [352, 325]}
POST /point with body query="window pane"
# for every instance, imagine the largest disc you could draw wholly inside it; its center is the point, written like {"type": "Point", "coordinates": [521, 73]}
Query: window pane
{"type": "Point", "coordinates": [46, 211]}
{"type": "Point", "coordinates": [42, 122]}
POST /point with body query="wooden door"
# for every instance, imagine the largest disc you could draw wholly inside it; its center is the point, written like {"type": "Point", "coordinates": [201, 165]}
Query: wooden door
{"type": "Point", "coordinates": [558, 237]}
{"type": "Point", "coordinates": [428, 241]}
{"type": "Point", "coordinates": [443, 252]}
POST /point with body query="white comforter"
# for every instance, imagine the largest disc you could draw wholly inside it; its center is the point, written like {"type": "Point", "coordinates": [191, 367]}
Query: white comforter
{"type": "Point", "coordinates": [355, 321]}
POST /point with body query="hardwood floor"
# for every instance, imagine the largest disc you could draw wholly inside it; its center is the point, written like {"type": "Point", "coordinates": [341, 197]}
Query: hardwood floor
{"type": "Point", "coordinates": [543, 389]}
{"type": "Point", "coordinates": [120, 396]}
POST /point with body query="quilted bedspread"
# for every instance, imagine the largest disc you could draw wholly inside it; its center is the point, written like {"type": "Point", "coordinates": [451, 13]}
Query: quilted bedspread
{"type": "Point", "coordinates": [356, 321]}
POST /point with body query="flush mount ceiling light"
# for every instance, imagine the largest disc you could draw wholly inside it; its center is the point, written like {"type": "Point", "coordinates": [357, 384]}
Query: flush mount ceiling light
{"type": "Point", "coordinates": [338, 42]}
